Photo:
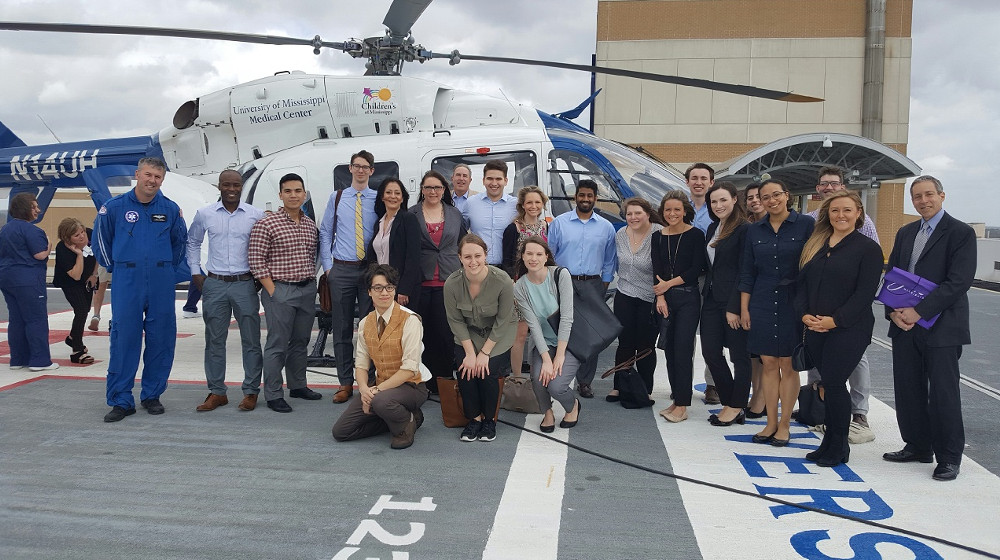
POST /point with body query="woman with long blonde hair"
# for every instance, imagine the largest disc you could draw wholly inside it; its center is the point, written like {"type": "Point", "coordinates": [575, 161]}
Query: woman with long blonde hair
{"type": "Point", "coordinates": [840, 270]}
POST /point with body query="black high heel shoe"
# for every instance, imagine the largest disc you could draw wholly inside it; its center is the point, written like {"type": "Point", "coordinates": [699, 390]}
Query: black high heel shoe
{"type": "Point", "coordinates": [547, 429]}
{"type": "Point", "coordinates": [567, 423]}
{"type": "Point", "coordinates": [740, 418]}
{"type": "Point", "coordinates": [754, 415]}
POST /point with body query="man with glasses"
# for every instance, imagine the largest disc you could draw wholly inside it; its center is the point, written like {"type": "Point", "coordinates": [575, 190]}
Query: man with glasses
{"type": "Point", "coordinates": [390, 337]}
{"type": "Point", "coordinates": [346, 230]}
{"type": "Point", "coordinates": [488, 214]}
{"type": "Point", "coordinates": [831, 180]}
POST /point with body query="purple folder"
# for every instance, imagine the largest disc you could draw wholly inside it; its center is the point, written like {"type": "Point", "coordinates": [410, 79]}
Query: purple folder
{"type": "Point", "coordinates": [904, 289]}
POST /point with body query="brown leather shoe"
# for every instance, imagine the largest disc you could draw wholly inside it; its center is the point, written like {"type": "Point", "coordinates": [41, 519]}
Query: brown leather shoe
{"type": "Point", "coordinates": [249, 402]}
{"type": "Point", "coordinates": [405, 438]}
{"type": "Point", "coordinates": [343, 395]}
{"type": "Point", "coordinates": [212, 402]}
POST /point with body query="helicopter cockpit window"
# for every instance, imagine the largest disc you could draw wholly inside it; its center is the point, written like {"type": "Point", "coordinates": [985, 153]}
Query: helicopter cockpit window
{"type": "Point", "coordinates": [566, 169]}
{"type": "Point", "coordinates": [522, 168]}
{"type": "Point", "coordinates": [383, 170]}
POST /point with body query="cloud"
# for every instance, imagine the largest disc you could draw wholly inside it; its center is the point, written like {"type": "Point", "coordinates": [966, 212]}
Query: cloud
{"type": "Point", "coordinates": [89, 86]}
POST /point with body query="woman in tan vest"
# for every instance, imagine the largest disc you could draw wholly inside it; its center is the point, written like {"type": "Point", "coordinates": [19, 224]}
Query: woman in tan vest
{"type": "Point", "coordinates": [390, 338]}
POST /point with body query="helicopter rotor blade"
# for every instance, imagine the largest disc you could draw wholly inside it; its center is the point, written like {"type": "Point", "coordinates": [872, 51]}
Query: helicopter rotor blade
{"type": "Point", "coordinates": [750, 91]}
{"type": "Point", "coordinates": [401, 16]}
{"type": "Point", "coordinates": [315, 42]}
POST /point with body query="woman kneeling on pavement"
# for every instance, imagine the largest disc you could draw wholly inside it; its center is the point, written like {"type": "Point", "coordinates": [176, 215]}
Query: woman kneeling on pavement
{"type": "Point", "coordinates": [538, 297]}
{"type": "Point", "coordinates": [479, 300]}
{"type": "Point", "coordinates": [390, 337]}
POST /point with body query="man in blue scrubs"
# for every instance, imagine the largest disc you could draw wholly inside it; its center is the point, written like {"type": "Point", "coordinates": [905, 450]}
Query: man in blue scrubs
{"type": "Point", "coordinates": [140, 237]}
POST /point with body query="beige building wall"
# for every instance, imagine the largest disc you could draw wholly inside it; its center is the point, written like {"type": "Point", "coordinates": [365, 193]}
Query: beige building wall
{"type": "Point", "coordinates": [814, 47]}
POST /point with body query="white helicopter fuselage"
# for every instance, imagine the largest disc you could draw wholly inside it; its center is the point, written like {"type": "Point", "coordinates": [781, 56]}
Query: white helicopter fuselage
{"type": "Point", "coordinates": [312, 124]}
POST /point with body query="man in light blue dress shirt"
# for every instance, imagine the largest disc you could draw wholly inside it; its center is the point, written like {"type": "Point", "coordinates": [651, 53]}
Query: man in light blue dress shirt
{"type": "Point", "coordinates": [488, 214]}
{"type": "Point", "coordinates": [342, 253]}
{"type": "Point", "coordinates": [461, 178]}
{"type": "Point", "coordinates": [584, 243]}
{"type": "Point", "coordinates": [228, 290]}
{"type": "Point", "coordinates": [700, 177]}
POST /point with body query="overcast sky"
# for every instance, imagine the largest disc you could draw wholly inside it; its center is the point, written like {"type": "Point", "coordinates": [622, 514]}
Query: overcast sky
{"type": "Point", "coordinates": [104, 86]}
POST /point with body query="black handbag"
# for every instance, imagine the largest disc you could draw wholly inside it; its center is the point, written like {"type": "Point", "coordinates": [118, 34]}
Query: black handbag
{"type": "Point", "coordinates": [632, 390]}
{"type": "Point", "coordinates": [812, 408]}
{"type": "Point", "coordinates": [595, 326]}
{"type": "Point", "coordinates": [801, 360]}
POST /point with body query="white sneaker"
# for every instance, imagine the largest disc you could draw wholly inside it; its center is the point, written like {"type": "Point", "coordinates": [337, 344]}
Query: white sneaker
{"type": "Point", "coordinates": [859, 433]}
{"type": "Point", "coordinates": [191, 314]}
{"type": "Point", "coordinates": [95, 322]}
{"type": "Point", "coordinates": [16, 367]}
{"type": "Point", "coordinates": [53, 365]}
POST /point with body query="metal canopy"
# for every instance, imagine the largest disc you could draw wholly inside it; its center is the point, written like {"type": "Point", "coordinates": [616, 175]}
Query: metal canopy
{"type": "Point", "coordinates": [797, 159]}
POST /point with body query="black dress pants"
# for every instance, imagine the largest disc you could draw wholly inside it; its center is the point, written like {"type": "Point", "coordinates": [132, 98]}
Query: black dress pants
{"type": "Point", "coordinates": [928, 399]}
{"type": "Point", "coordinates": [836, 353]}
{"type": "Point", "coordinates": [733, 384]}
{"type": "Point", "coordinates": [79, 299]}
{"type": "Point", "coordinates": [639, 332]}
{"type": "Point", "coordinates": [438, 340]}
{"type": "Point", "coordinates": [677, 340]}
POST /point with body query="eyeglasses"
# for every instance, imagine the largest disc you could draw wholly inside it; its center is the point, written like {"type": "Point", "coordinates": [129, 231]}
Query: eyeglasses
{"type": "Point", "coordinates": [775, 196]}
{"type": "Point", "coordinates": [830, 183]}
{"type": "Point", "coordinates": [432, 188]}
{"type": "Point", "coordinates": [383, 289]}
{"type": "Point", "coordinates": [357, 167]}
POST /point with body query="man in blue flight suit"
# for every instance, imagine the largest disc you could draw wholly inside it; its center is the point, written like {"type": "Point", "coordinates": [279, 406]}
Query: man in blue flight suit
{"type": "Point", "coordinates": [140, 237]}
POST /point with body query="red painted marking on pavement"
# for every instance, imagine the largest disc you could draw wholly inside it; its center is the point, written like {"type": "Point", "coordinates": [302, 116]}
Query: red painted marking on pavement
{"type": "Point", "coordinates": [137, 380]}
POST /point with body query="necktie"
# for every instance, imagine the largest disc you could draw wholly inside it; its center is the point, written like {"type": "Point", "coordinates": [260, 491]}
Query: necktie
{"type": "Point", "coordinates": [381, 326]}
{"type": "Point", "coordinates": [918, 245]}
{"type": "Point", "coordinates": [359, 230]}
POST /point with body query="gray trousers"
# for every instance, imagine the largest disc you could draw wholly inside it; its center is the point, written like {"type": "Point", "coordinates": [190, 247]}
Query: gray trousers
{"type": "Point", "coordinates": [860, 383]}
{"type": "Point", "coordinates": [390, 412]}
{"type": "Point", "coordinates": [593, 291]}
{"type": "Point", "coordinates": [290, 314]}
{"type": "Point", "coordinates": [346, 288]}
{"type": "Point", "coordinates": [559, 388]}
{"type": "Point", "coordinates": [221, 301]}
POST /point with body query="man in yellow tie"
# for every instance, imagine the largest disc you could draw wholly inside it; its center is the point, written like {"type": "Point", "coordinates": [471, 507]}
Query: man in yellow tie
{"type": "Point", "coordinates": [344, 234]}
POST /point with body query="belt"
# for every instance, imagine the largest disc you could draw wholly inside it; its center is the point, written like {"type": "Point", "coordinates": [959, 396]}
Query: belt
{"type": "Point", "coordinates": [485, 333]}
{"type": "Point", "coordinates": [350, 263]}
{"type": "Point", "coordinates": [299, 283]}
{"type": "Point", "coordinates": [684, 289]}
{"type": "Point", "coordinates": [232, 278]}
{"type": "Point", "coordinates": [583, 277]}
{"type": "Point", "coordinates": [160, 264]}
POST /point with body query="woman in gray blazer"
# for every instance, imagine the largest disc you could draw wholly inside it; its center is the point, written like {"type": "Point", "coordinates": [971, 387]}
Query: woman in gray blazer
{"type": "Point", "coordinates": [441, 227]}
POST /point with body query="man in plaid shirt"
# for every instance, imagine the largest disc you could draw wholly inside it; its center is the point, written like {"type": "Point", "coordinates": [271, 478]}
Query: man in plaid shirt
{"type": "Point", "coordinates": [282, 257]}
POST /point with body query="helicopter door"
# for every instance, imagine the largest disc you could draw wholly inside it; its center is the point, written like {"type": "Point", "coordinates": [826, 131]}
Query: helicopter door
{"type": "Point", "coordinates": [566, 169]}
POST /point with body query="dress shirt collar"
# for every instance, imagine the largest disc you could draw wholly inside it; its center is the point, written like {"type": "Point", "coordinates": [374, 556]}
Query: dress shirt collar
{"type": "Point", "coordinates": [934, 221]}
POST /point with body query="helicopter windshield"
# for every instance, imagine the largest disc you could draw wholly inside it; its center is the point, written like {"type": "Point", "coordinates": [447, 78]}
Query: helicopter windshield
{"type": "Point", "coordinates": [620, 172]}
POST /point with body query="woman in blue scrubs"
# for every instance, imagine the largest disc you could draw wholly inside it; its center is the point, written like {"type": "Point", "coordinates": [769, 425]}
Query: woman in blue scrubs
{"type": "Point", "coordinates": [24, 250]}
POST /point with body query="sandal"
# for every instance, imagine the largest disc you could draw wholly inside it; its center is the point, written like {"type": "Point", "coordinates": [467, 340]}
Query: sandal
{"type": "Point", "coordinates": [69, 342]}
{"type": "Point", "coordinates": [81, 358]}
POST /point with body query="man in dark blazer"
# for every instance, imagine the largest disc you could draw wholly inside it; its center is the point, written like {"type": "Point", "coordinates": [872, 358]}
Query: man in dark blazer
{"type": "Point", "coordinates": [925, 361]}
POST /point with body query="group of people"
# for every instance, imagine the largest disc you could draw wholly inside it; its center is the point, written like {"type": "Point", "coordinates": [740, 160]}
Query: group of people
{"type": "Point", "coordinates": [475, 283]}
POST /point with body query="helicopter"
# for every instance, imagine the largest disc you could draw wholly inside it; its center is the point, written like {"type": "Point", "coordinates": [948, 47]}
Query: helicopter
{"type": "Point", "coordinates": [311, 123]}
